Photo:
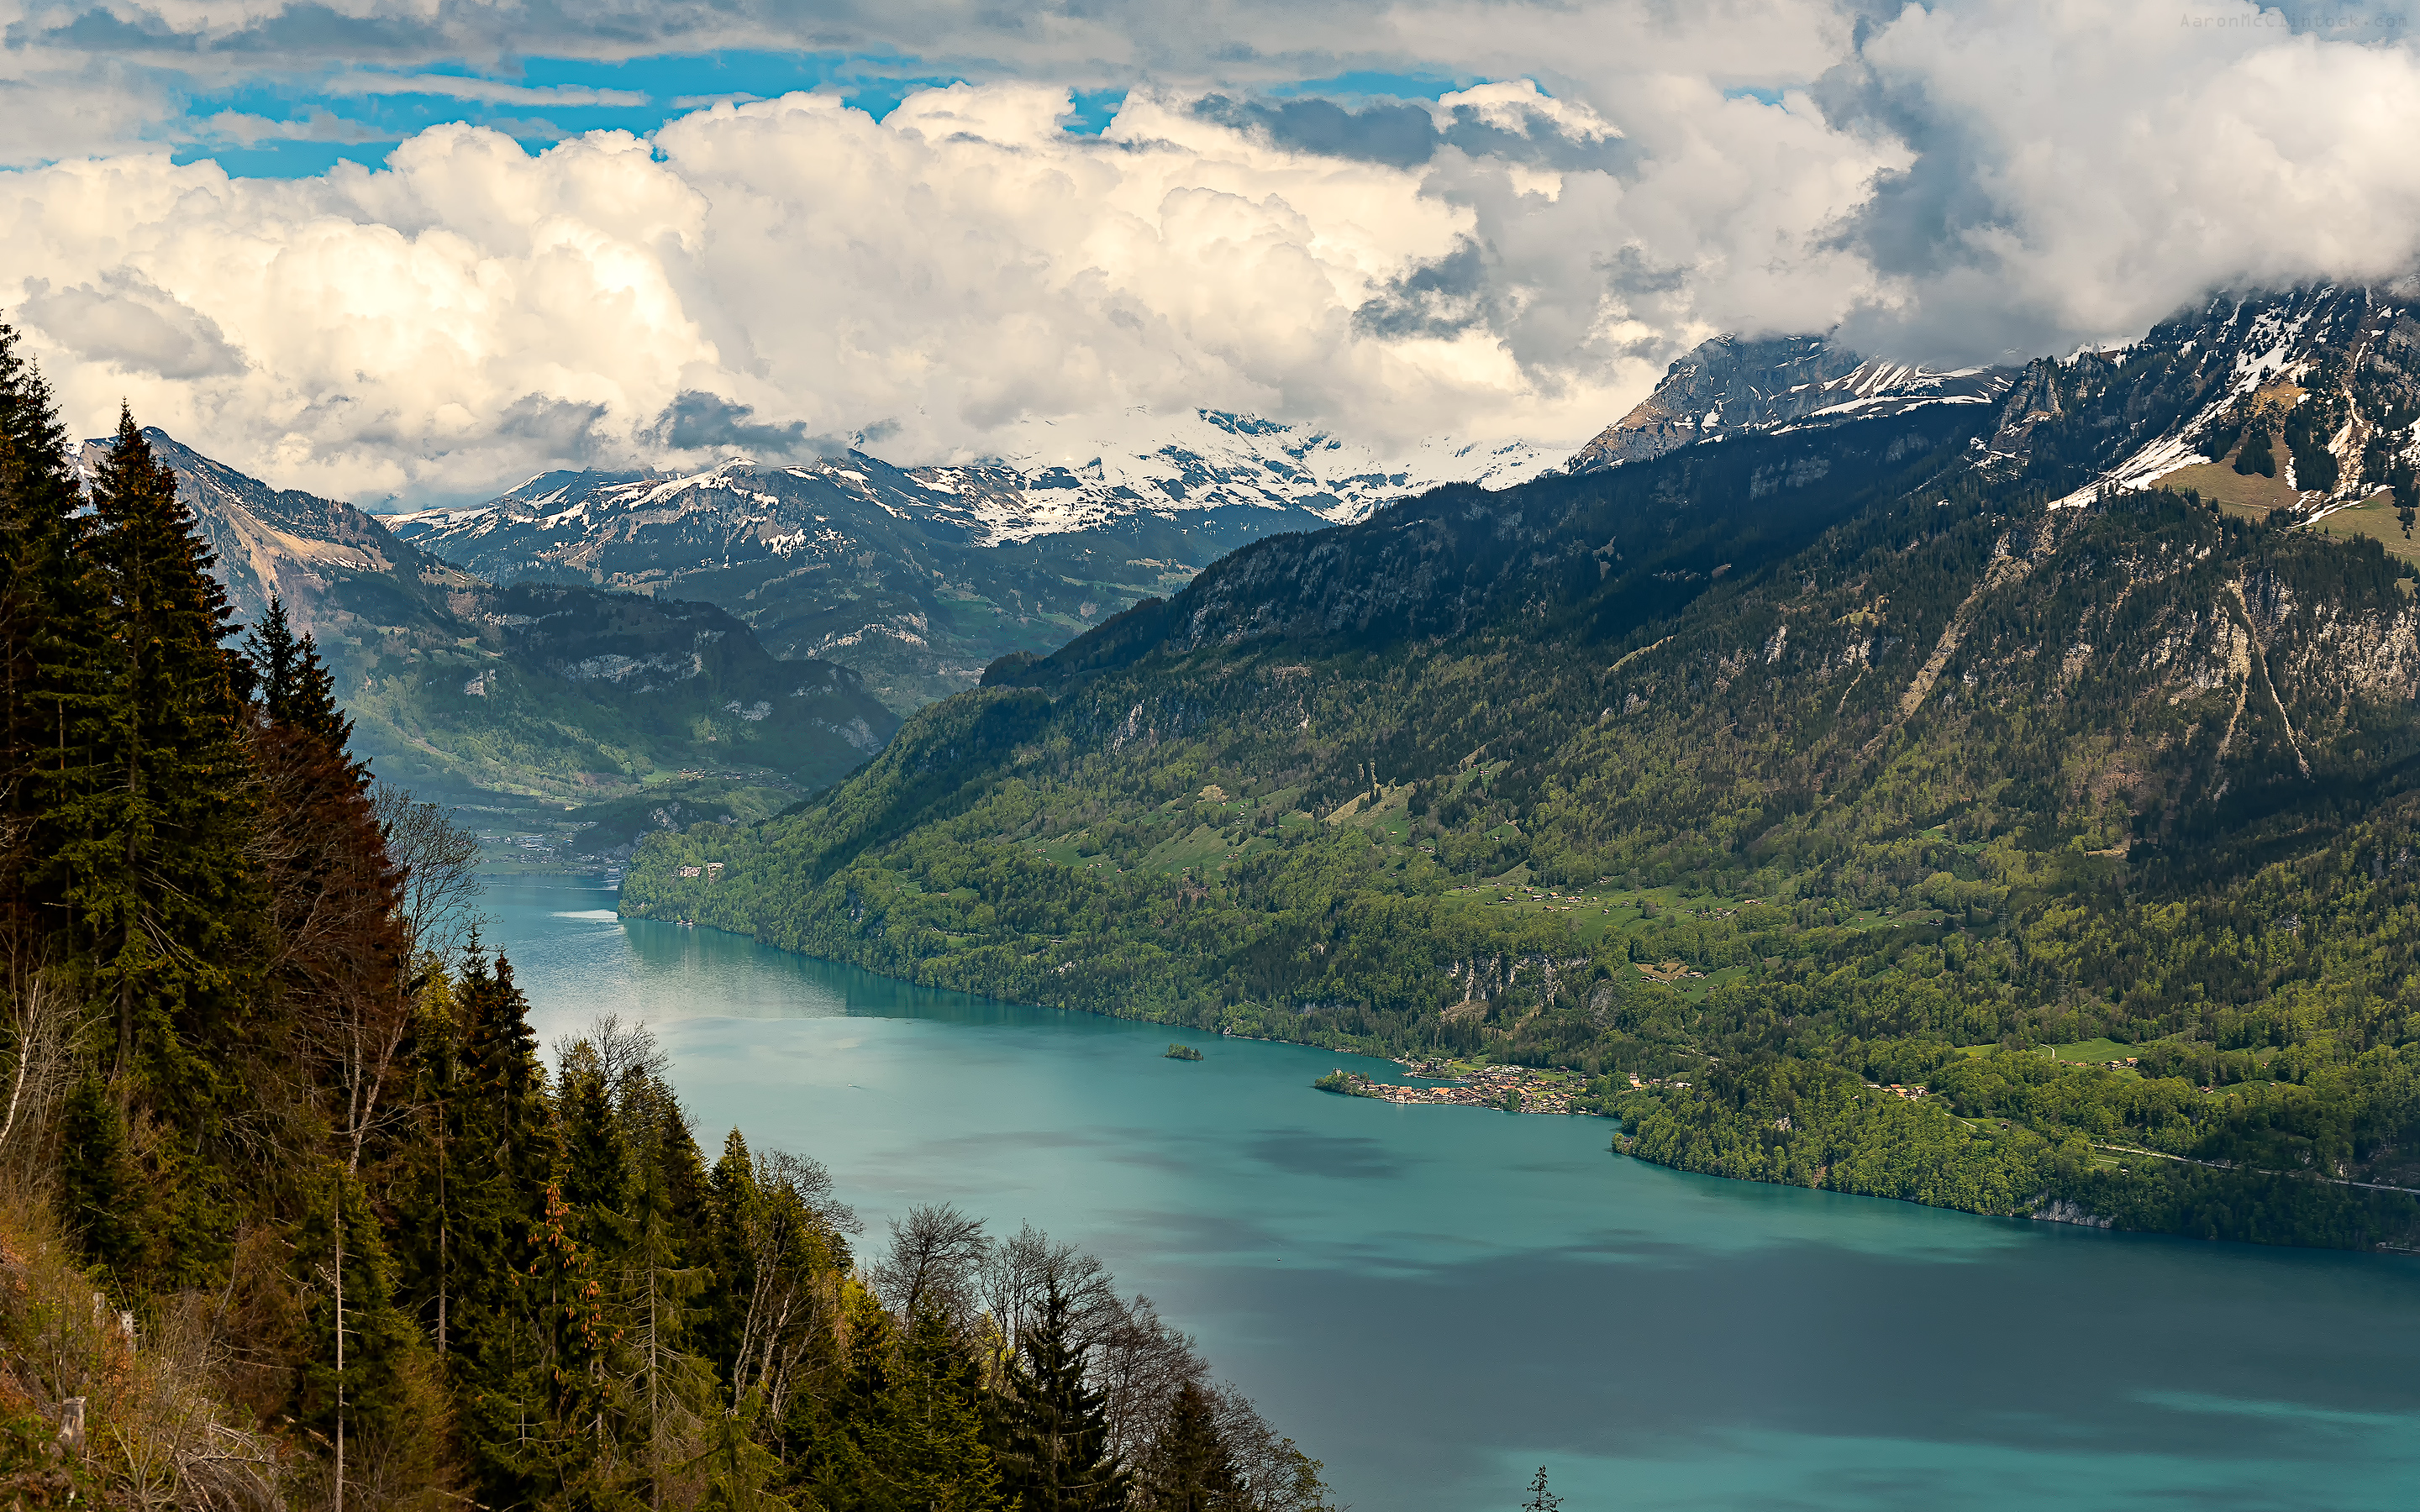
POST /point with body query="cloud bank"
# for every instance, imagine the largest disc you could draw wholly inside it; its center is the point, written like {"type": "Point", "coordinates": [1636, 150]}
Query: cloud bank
{"type": "Point", "coordinates": [1513, 258]}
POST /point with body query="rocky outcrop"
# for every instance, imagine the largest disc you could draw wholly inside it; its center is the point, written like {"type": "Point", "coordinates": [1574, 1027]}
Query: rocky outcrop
{"type": "Point", "coordinates": [1729, 385]}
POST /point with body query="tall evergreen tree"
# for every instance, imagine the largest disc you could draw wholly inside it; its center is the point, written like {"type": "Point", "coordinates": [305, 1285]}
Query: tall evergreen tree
{"type": "Point", "coordinates": [664, 1293]}
{"type": "Point", "coordinates": [353, 1387]}
{"type": "Point", "coordinates": [596, 1163]}
{"type": "Point", "coordinates": [335, 895]}
{"type": "Point", "coordinates": [297, 690]}
{"type": "Point", "coordinates": [50, 637]}
{"type": "Point", "coordinates": [1191, 1468]}
{"type": "Point", "coordinates": [1540, 1499]}
{"type": "Point", "coordinates": [1052, 1435]}
{"type": "Point", "coordinates": [929, 1438]}
{"type": "Point", "coordinates": [500, 1148]}
{"type": "Point", "coordinates": [154, 870]}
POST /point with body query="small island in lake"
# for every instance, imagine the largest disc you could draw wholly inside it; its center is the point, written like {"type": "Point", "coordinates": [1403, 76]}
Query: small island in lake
{"type": "Point", "coordinates": [1183, 1052]}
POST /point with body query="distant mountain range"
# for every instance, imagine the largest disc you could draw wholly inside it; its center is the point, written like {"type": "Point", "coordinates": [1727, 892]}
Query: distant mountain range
{"type": "Point", "coordinates": [564, 693]}
{"type": "Point", "coordinates": [462, 632]}
{"type": "Point", "coordinates": [919, 576]}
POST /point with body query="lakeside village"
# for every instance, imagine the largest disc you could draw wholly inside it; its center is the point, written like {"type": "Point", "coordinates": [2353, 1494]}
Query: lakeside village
{"type": "Point", "coordinates": [1510, 1089]}
{"type": "Point", "coordinates": [1517, 1089]}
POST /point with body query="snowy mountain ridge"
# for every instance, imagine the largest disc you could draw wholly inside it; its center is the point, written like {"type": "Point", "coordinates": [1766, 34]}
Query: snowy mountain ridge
{"type": "Point", "coordinates": [1730, 386]}
{"type": "Point", "coordinates": [920, 575]}
{"type": "Point", "coordinates": [1051, 479]}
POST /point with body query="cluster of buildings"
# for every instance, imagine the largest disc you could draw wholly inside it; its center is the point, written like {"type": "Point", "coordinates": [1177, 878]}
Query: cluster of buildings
{"type": "Point", "coordinates": [1490, 1087]}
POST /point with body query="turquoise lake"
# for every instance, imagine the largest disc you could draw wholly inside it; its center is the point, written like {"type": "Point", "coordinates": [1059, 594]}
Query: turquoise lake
{"type": "Point", "coordinates": [1436, 1300]}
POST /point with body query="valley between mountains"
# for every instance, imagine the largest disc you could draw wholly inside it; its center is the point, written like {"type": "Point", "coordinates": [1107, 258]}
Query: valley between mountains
{"type": "Point", "coordinates": [1992, 788]}
{"type": "Point", "coordinates": [1852, 751]}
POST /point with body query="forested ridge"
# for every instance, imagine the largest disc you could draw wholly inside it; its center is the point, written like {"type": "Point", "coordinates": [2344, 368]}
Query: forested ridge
{"type": "Point", "coordinates": [294, 1214]}
{"type": "Point", "coordinates": [1749, 782]}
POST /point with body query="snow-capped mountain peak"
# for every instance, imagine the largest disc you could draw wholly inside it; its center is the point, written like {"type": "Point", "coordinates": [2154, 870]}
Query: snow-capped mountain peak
{"type": "Point", "coordinates": [1729, 385]}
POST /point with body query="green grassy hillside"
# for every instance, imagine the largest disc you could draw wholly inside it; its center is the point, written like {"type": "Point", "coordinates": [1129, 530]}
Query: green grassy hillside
{"type": "Point", "coordinates": [1737, 782]}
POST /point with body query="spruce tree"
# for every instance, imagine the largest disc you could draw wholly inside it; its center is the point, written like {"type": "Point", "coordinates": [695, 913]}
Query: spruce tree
{"type": "Point", "coordinates": [1540, 1499]}
{"type": "Point", "coordinates": [739, 1470]}
{"type": "Point", "coordinates": [2257, 455]}
{"type": "Point", "coordinates": [1191, 1468]}
{"type": "Point", "coordinates": [836, 1436]}
{"type": "Point", "coordinates": [50, 648]}
{"type": "Point", "coordinates": [735, 1211]}
{"type": "Point", "coordinates": [335, 895]}
{"type": "Point", "coordinates": [497, 1171]}
{"type": "Point", "coordinates": [596, 1164]}
{"type": "Point", "coordinates": [1052, 1434]}
{"type": "Point", "coordinates": [101, 1197]}
{"type": "Point", "coordinates": [154, 868]}
{"type": "Point", "coordinates": [662, 1290]}
{"type": "Point", "coordinates": [352, 1388]}
{"type": "Point", "coordinates": [297, 690]}
{"type": "Point", "coordinates": [928, 1436]}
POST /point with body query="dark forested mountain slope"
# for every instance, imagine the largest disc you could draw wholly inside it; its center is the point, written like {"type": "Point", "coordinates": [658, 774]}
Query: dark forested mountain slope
{"type": "Point", "coordinates": [1758, 772]}
{"type": "Point", "coordinates": [544, 689]}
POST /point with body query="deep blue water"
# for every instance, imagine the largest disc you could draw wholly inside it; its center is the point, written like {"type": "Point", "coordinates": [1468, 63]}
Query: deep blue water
{"type": "Point", "coordinates": [1435, 1301]}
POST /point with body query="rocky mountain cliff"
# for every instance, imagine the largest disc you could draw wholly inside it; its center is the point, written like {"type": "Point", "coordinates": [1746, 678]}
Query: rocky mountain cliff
{"type": "Point", "coordinates": [555, 690]}
{"type": "Point", "coordinates": [919, 576]}
{"type": "Point", "coordinates": [1730, 386]}
{"type": "Point", "coordinates": [2303, 400]}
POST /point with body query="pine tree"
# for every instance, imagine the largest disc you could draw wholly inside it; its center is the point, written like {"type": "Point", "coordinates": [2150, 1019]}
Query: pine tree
{"type": "Point", "coordinates": [836, 1436]}
{"type": "Point", "coordinates": [1191, 1468]}
{"type": "Point", "coordinates": [662, 1290]}
{"type": "Point", "coordinates": [927, 1438]}
{"type": "Point", "coordinates": [297, 690]}
{"type": "Point", "coordinates": [100, 1187]}
{"type": "Point", "coordinates": [2259, 455]}
{"type": "Point", "coordinates": [153, 869]}
{"type": "Point", "coordinates": [1540, 1499]}
{"type": "Point", "coordinates": [568, 1453]}
{"type": "Point", "coordinates": [353, 1386]}
{"type": "Point", "coordinates": [50, 645]}
{"type": "Point", "coordinates": [335, 897]}
{"type": "Point", "coordinates": [739, 1469]}
{"type": "Point", "coordinates": [737, 1212]}
{"type": "Point", "coordinates": [497, 1134]}
{"type": "Point", "coordinates": [1052, 1434]}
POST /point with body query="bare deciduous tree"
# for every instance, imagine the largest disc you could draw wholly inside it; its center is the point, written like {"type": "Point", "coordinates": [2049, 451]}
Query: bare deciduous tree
{"type": "Point", "coordinates": [438, 859]}
{"type": "Point", "coordinates": [935, 1259]}
{"type": "Point", "coordinates": [39, 1023]}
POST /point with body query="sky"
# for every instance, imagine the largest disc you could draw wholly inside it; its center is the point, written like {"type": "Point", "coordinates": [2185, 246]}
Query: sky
{"type": "Point", "coordinates": [410, 251]}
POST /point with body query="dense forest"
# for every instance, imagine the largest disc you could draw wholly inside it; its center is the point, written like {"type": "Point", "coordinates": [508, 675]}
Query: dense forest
{"type": "Point", "coordinates": [1858, 809]}
{"type": "Point", "coordinates": [294, 1214]}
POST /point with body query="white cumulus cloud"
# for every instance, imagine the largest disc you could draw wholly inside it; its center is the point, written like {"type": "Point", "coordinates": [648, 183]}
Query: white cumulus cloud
{"type": "Point", "coordinates": [1977, 178]}
{"type": "Point", "coordinates": [794, 270]}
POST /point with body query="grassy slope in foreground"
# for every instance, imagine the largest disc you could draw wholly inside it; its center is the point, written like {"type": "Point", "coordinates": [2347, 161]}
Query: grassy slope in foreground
{"type": "Point", "coordinates": [1963, 774]}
